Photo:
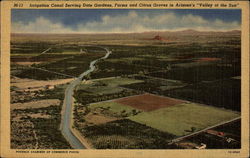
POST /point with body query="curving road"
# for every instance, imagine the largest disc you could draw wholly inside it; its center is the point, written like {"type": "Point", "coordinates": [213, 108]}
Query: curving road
{"type": "Point", "coordinates": [67, 105]}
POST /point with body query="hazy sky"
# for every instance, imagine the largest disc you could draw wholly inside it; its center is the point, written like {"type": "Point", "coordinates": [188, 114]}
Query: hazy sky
{"type": "Point", "coordinates": [126, 20]}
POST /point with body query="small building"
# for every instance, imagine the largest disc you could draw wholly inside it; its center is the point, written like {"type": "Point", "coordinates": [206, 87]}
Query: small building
{"type": "Point", "coordinates": [26, 90]}
{"type": "Point", "coordinates": [202, 146]}
{"type": "Point", "coordinates": [83, 51]}
{"type": "Point", "coordinates": [49, 87]}
{"type": "Point", "coordinates": [186, 145]}
{"type": "Point", "coordinates": [217, 133]}
{"type": "Point", "coordinates": [229, 140]}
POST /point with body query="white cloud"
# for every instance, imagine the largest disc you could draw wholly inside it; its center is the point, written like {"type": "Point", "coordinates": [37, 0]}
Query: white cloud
{"type": "Point", "coordinates": [40, 25]}
{"type": "Point", "coordinates": [131, 22]}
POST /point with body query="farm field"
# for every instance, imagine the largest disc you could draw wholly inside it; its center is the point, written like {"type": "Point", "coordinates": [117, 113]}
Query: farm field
{"type": "Point", "coordinates": [106, 86]}
{"type": "Point", "coordinates": [29, 83]}
{"type": "Point", "coordinates": [118, 81]}
{"type": "Point", "coordinates": [220, 93]}
{"type": "Point", "coordinates": [223, 93]}
{"type": "Point", "coordinates": [35, 114]}
{"type": "Point", "coordinates": [103, 89]}
{"type": "Point", "coordinates": [113, 107]}
{"type": "Point", "coordinates": [37, 128]}
{"type": "Point", "coordinates": [70, 66]}
{"type": "Point", "coordinates": [199, 73]}
{"type": "Point", "coordinates": [230, 138]}
{"type": "Point", "coordinates": [35, 104]}
{"type": "Point", "coordinates": [148, 102]}
{"type": "Point", "coordinates": [169, 115]}
{"type": "Point", "coordinates": [181, 119]}
{"type": "Point", "coordinates": [51, 61]}
{"type": "Point", "coordinates": [154, 85]}
{"type": "Point", "coordinates": [127, 134]}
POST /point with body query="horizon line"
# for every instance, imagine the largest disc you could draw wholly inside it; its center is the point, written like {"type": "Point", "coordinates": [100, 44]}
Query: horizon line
{"type": "Point", "coordinates": [172, 31]}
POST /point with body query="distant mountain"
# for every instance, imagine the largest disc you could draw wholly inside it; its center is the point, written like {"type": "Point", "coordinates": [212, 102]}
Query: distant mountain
{"type": "Point", "coordinates": [190, 31]}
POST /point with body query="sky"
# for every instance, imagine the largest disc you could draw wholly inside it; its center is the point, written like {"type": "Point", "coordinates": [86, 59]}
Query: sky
{"type": "Point", "coordinates": [122, 20]}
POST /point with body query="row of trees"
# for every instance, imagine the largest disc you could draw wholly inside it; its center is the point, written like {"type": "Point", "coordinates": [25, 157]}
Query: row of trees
{"type": "Point", "coordinates": [84, 97]}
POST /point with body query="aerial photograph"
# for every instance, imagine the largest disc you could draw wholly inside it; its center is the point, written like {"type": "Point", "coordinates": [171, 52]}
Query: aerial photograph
{"type": "Point", "coordinates": [125, 79]}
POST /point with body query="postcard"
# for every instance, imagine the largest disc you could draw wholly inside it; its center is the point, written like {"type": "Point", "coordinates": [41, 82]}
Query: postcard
{"type": "Point", "coordinates": [125, 79]}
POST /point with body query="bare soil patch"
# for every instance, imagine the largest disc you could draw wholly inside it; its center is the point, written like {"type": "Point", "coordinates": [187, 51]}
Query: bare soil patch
{"type": "Point", "coordinates": [36, 104]}
{"type": "Point", "coordinates": [148, 102]}
{"type": "Point", "coordinates": [207, 59]}
{"type": "Point", "coordinates": [98, 118]}
{"type": "Point", "coordinates": [39, 115]}
{"type": "Point", "coordinates": [29, 83]}
{"type": "Point", "coordinates": [26, 63]}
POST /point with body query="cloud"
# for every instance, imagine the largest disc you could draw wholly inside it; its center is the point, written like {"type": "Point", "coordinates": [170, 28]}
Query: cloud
{"type": "Point", "coordinates": [130, 22]}
{"type": "Point", "coordinates": [40, 25]}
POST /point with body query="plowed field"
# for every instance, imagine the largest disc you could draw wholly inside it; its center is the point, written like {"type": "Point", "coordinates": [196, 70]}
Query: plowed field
{"type": "Point", "coordinates": [148, 102]}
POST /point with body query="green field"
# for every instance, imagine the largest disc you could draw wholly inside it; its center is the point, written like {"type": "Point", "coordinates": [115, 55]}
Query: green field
{"type": "Point", "coordinates": [107, 86]}
{"type": "Point", "coordinates": [113, 106]}
{"type": "Point", "coordinates": [119, 81]}
{"type": "Point", "coordinates": [151, 84]}
{"type": "Point", "coordinates": [127, 59]}
{"type": "Point", "coordinates": [180, 119]}
{"type": "Point", "coordinates": [104, 90]}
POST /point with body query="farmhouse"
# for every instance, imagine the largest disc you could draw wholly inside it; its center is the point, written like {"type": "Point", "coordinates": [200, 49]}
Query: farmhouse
{"type": "Point", "coordinates": [82, 51]}
{"type": "Point", "coordinates": [213, 132]}
{"type": "Point", "coordinates": [202, 146]}
{"type": "Point", "coordinates": [49, 87]}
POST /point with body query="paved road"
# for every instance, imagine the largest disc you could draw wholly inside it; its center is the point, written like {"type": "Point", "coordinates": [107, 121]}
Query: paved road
{"type": "Point", "coordinates": [67, 105]}
{"type": "Point", "coordinates": [46, 50]}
